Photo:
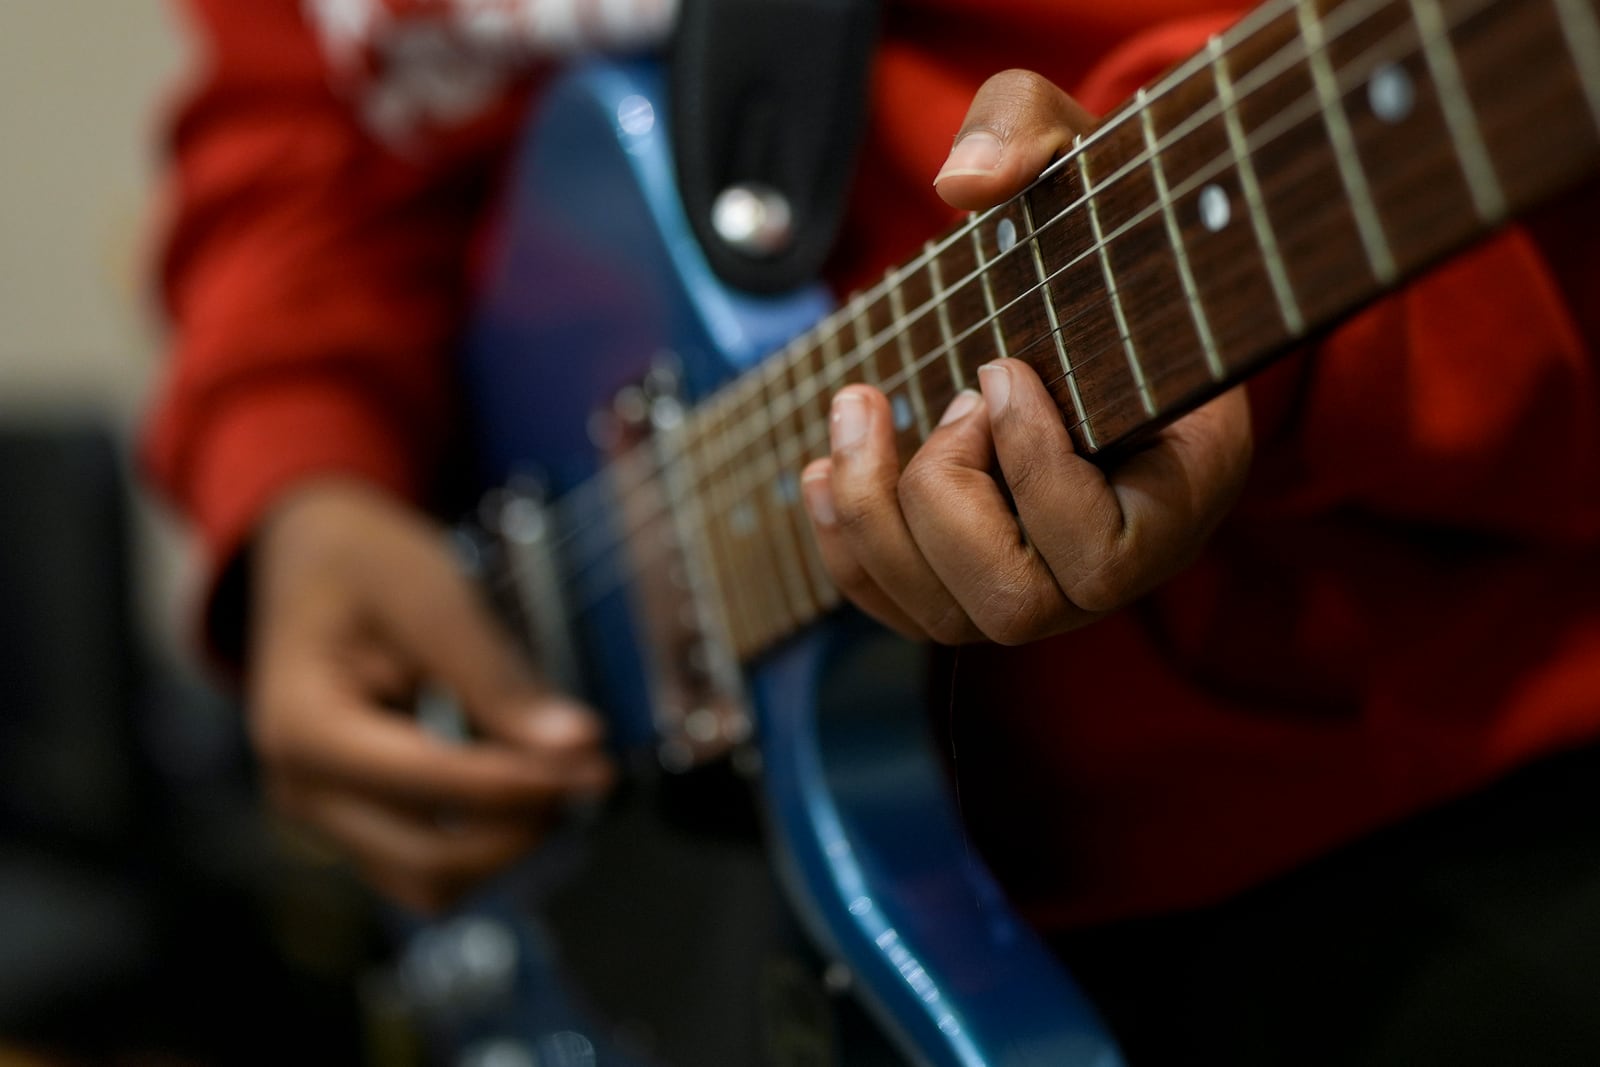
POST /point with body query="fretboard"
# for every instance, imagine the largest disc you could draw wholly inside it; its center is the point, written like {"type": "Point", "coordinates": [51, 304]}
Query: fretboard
{"type": "Point", "coordinates": [1312, 156]}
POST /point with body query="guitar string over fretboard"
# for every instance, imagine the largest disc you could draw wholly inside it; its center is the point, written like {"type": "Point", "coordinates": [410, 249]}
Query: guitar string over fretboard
{"type": "Point", "coordinates": [1313, 155]}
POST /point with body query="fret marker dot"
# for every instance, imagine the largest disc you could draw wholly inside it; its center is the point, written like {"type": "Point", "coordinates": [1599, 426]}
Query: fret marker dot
{"type": "Point", "coordinates": [742, 520]}
{"type": "Point", "coordinates": [1005, 235]}
{"type": "Point", "coordinates": [1391, 93]}
{"type": "Point", "coordinates": [903, 415]}
{"type": "Point", "coordinates": [1215, 211]}
{"type": "Point", "coordinates": [788, 489]}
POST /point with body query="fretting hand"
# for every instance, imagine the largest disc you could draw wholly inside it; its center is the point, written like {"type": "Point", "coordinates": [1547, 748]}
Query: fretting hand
{"type": "Point", "coordinates": [936, 551]}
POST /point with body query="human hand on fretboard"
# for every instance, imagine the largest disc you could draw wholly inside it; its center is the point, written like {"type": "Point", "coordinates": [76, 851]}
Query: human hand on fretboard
{"type": "Point", "coordinates": [946, 550]}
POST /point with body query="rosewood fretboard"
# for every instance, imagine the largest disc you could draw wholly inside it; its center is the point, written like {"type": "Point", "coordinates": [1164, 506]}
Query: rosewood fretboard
{"type": "Point", "coordinates": [1315, 154]}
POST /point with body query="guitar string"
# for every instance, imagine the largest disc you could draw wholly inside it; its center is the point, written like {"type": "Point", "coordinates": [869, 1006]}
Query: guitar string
{"type": "Point", "coordinates": [622, 573]}
{"type": "Point", "coordinates": [810, 436]}
{"type": "Point", "coordinates": [1306, 105]}
{"type": "Point", "coordinates": [834, 325]}
{"type": "Point", "coordinates": [607, 552]}
{"type": "Point", "coordinates": [739, 451]}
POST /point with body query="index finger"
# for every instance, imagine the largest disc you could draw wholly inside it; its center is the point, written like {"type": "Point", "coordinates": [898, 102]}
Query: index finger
{"type": "Point", "coordinates": [328, 733]}
{"type": "Point", "coordinates": [1111, 537]}
{"type": "Point", "coordinates": [1018, 122]}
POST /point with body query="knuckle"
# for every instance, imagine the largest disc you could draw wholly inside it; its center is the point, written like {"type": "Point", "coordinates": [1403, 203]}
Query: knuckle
{"type": "Point", "coordinates": [920, 483]}
{"type": "Point", "coordinates": [1026, 475]}
{"type": "Point", "coordinates": [951, 626]}
{"type": "Point", "coordinates": [1013, 612]}
{"type": "Point", "coordinates": [1104, 586]}
{"type": "Point", "coordinates": [848, 575]}
{"type": "Point", "coordinates": [1029, 87]}
{"type": "Point", "coordinates": [1020, 87]}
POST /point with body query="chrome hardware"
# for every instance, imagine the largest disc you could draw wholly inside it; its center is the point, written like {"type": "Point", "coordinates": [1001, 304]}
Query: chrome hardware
{"type": "Point", "coordinates": [519, 522]}
{"type": "Point", "coordinates": [694, 680]}
{"type": "Point", "coordinates": [566, 1048]}
{"type": "Point", "coordinates": [754, 219]}
{"type": "Point", "coordinates": [498, 1052]}
{"type": "Point", "coordinates": [464, 966]}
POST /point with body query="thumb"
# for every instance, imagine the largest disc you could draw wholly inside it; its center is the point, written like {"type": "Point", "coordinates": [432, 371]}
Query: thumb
{"type": "Point", "coordinates": [1017, 124]}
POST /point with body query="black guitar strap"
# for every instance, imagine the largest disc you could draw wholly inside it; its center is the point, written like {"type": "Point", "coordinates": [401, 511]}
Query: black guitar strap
{"type": "Point", "coordinates": [768, 104]}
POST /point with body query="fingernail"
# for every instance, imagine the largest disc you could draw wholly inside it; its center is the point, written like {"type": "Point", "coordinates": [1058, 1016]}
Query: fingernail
{"type": "Point", "coordinates": [560, 723]}
{"type": "Point", "coordinates": [965, 403]}
{"type": "Point", "coordinates": [996, 383]}
{"type": "Point", "coordinates": [849, 422]}
{"type": "Point", "coordinates": [819, 498]}
{"type": "Point", "coordinates": [976, 153]}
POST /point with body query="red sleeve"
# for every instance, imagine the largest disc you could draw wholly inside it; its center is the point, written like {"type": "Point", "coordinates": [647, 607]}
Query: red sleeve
{"type": "Point", "coordinates": [315, 279]}
{"type": "Point", "coordinates": [1471, 400]}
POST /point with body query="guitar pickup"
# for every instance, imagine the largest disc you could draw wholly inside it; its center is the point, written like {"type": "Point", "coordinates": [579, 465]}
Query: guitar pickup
{"type": "Point", "coordinates": [697, 695]}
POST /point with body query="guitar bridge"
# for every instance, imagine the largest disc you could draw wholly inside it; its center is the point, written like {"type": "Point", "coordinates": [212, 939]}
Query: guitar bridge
{"type": "Point", "coordinates": [697, 709]}
{"type": "Point", "coordinates": [697, 694]}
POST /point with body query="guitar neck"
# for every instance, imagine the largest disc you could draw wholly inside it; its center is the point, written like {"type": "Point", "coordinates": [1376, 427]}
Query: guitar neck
{"type": "Point", "coordinates": [1314, 155]}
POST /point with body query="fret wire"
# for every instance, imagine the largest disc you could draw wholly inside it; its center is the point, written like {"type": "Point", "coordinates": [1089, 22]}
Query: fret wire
{"type": "Point", "coordinates": [1352, 13]}
{"type": "Point", "coordinates": [1055, 330]}
{"type": "Point", "coordinates": [784, 490]}
{"type": "Point", "coordinates": [982, 272]}
{"type": "Point", "coordinates": [715, 487]}
{"type": "Point", "coordinates": [1244, 166]}
{"type": "Point", "coordinates": [807, 355]}
{"type": "Point", "coordinates": [706, 588]}
{"type": "Point", "coordinates": [1348, 163]}
{"type": "Point", "coordinates": [752, 424]}
{"type": "Point", "coordinates": [899, 326]}
{"type": "Point", "coordinates": [1459, 116]}
{"type": "Point", "coordinates": [745, 514]}
{"type": "Point", "coordinates": [1347, 16]}
{"type": "Point", "coordinates": [864, 337]}
{"type": "Point", "coordinates": [742, 611]}
{"type": "Point", "coordinates": [1111, 289]}
{"type": "Point", "coordinates": [1581, 29]}
{"type": "Point", "coordinates": [942, 313]}
{"type": "Point", "coordinates": [784, 539]}
{"type": "Point", "coordinates": [1179, 252]}
{"type": "Point", "coordinates": [1303, 109]}
{"type": "Point", "coordinates": [1201, 176]}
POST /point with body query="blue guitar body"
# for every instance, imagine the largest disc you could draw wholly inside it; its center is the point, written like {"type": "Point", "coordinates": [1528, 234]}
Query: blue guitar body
{"type": "Point", "coordinates": [596, 276]}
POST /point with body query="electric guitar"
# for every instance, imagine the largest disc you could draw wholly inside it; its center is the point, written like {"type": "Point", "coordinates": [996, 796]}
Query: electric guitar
{"type": "Point", "coordinates": [1313, 156]}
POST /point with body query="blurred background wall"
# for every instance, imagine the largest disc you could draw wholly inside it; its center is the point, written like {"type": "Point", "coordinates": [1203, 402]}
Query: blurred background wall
{"type": "Point", "coordinates": [81, 89]}
{"type": "Point", "coordinates": [141, 890]}
{"type": "Point", "coordinates": [83, 84]}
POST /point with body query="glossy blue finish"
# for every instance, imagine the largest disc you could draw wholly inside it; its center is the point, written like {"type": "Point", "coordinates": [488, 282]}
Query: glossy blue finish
{"type": "Point", "coordinates": [877, 860]}
{"type": "Point", "coordinates": [597, 273]}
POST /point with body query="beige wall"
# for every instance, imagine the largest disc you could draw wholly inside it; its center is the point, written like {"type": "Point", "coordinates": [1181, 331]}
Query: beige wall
{"type": "Point", "coordinates": [81, 83]}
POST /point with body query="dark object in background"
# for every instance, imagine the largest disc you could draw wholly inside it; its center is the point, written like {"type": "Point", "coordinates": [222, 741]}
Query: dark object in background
{"type": "Point", "coordinates": [143, 907]}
